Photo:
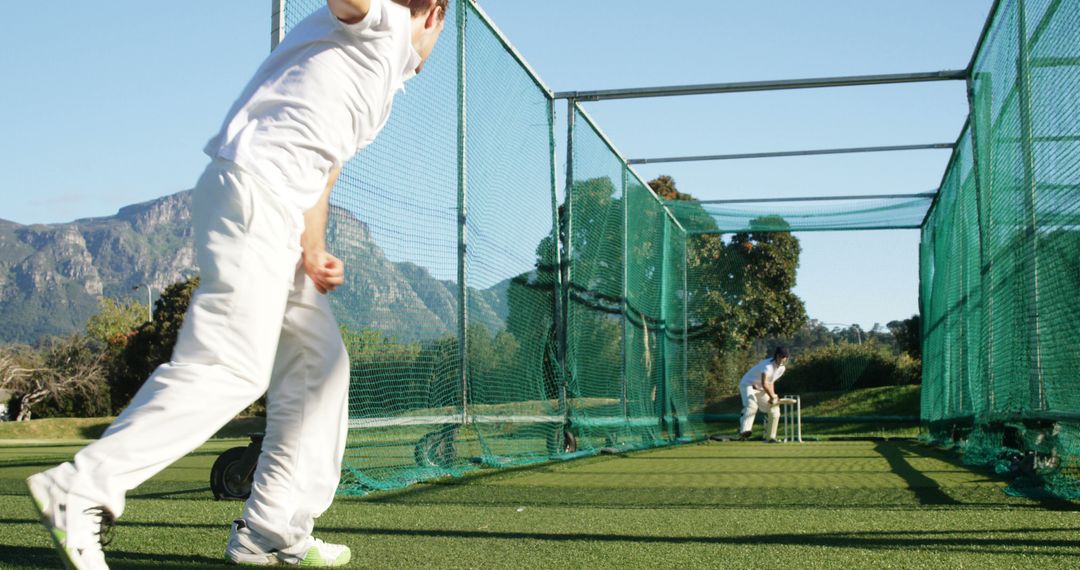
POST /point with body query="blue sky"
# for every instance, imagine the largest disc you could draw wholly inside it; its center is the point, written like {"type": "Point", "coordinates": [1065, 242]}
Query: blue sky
{"type": "Point", "coordinates": [109, 103]}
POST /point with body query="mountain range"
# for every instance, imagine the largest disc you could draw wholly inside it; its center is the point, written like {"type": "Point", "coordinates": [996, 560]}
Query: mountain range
{"type": "Point", "coordinates": [52, 275]}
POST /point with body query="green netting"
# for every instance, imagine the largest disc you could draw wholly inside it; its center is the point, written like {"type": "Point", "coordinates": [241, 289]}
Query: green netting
{"type": "Point", "coordinates": [626, 323]}
{"type": "Point", "coordinates": [1000, 268]}
{"type": "Point", "coordinates": [595, 277]}
{"type": "Point", "coordinates": [456, 201]}
{"type": "Point", "coordinates": [486, 322]}
{"type": "Point", "coordinates": [394, 222]}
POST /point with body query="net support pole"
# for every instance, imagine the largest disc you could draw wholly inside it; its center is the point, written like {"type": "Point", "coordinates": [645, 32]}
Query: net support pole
{"type": "Point", "coordinates": [1031, 241]}
{"type": "Point", "coordinates": [625, 291]}
{"type": "Point", "coordinates": [686, 322]}
{"type": "Point", "coordinates": [559, 317]}
{"type": "Point", "coordinates": [567, 270]}
{"type": "Point", "coordinates": [462, 213]}
{"type": "Point", "coordinates": [277, 23]}
{"type": "Point", "coordinates": [665, 318]}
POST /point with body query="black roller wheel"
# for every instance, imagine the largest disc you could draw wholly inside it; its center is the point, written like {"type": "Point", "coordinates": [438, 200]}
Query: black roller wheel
{"type": "Point", "coordinates": [561, 442]}
{"type": "Point", "coordinates": [437, 449]}
{"type": "Point", "coordinates": [569, 442]}
{"type": "Point", "coordinates": [231, 475]}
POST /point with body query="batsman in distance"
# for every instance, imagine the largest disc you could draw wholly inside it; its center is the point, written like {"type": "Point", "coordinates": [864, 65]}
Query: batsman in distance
{"type": "Point", "coordinates": [260, 321]}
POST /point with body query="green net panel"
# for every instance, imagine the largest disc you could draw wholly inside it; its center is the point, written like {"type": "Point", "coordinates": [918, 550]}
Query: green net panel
{"type": "Point", "coordinates": [626, 305]}
{"type": "Point", "coordinates": [1000, 264]}
{"type": "Point", "coordinates": [511, 266]}
{"type": "Point", "coordinates": [645, 327]}
{"type": "Point", "coordinates": [685, 392]}
{"type": "Point", "coordinates": [394, 222]}
{"type": "Point", "coordinates": [595, 334]}
{"type": "Point", "coordinates": [454, 200]}
{"type": "Point", "coordinates": [807, 215]}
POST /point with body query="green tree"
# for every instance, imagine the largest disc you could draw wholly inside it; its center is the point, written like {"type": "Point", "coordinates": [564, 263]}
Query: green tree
{"type": "Point", "coordinates": [741, 289]}
{"type": "Point", "coordinates": [664, 186]}
{"type": "Point", "coordinates": [115, 321]}
{"type": "Point", "coordinates": [152, 344]}
{"type": "Point", "coordinates": [908, 335]}
{"type": "Point", "coordinates": [386, 374]}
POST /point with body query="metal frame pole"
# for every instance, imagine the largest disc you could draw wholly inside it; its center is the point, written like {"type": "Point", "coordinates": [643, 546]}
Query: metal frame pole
{"type": "Point", "coordinates": [462, 213]}
{"type": "Point", "coordinates": [559, 316]}
{"type": "Point", "coordinates": [812, 198]}
{"type": "Point", "coordinates": [625, 293]}
{"type": "Point", "coordinates": [686, 323]}
{"type": "Point", "coordinates": [568, 243]}
{"type": "Point", "coordinates": [790, 153]}
{"type": "Point", "coordinates": [277, 23]}
{"type": "Point", "coordinates": [775, 85]}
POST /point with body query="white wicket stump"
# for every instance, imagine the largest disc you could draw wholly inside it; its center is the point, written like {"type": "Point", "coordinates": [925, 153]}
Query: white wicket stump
{"type": "Point", "coordinates": [791, 405]}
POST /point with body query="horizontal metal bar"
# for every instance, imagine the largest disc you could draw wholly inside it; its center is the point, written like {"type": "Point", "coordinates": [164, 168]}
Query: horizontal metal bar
{"type": "Point", "coordinates": [853, 228]}
{"type": "Point", "coordinates": [360, 423]}
{"type": "Point", "coordinates": [717, 418]}
{"type": "Point", "coordinates": [814, 152]}
{"type": "Point", "coordinates": [808, 199]}
{"type": "Point", "coordinates": [741, 87]}
{"type": "Point", "coordinates": [1055, 62]}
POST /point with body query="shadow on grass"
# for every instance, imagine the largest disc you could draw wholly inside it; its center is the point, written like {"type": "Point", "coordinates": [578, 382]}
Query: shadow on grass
{"type": "Point", "coordinates": [42, 463]}
{"type": "Point", "coordinates": [927, 490]}
{"type": "Point", "coordinates": [37, 557]}
{"type": "Point", "coordinates": [924, 540]}
{"type": "Point", "coordinates": [93, 431]}
{"type": "Point", "coordinates": [895, 454]}
{"type": "Point", "coordinates": [170, 494]}
{"type": "Point", "coordinates": [1004, 541]}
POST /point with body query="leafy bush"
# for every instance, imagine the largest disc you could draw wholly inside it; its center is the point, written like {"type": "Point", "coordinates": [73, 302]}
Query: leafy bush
{"type": "Point", "coordinates": [846, 366]}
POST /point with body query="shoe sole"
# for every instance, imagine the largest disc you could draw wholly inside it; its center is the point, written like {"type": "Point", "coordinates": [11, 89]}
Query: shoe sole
{"type": "Point", "coordinates": [316, 562]}
{"type": "Point", "coordinates": [55, 534]}
{"type": "Point", "coordinates": [232, 562]}
{"type": "Point", "coordinates": [319, 562]}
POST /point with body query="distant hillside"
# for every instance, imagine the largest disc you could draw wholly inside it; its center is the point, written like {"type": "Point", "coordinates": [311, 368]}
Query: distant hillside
{"type": "Point", "coordinates": [51, 275]}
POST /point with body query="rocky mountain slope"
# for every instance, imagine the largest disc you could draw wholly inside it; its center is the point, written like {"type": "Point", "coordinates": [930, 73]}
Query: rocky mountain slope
{"type": "Point", "coordinates": [51, 275]}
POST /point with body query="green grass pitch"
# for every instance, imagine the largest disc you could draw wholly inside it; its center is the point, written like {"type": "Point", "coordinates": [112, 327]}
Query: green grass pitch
{"type": "Point", "coordinates": [745, 505]}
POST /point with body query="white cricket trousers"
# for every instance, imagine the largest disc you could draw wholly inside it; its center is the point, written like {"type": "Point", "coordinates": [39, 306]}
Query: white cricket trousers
{"type": "Point", "coordinates": [255, 325]}
{"type": "Point", "coordinates": [752, 400]}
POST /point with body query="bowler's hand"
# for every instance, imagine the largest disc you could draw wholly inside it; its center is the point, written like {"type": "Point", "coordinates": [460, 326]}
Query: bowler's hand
{"type": "Point", "coordinates": [324, 269]}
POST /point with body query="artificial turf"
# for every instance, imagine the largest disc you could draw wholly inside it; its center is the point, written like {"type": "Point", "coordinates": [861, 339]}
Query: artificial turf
{"type": "Point", "coordinates": [749, 505]}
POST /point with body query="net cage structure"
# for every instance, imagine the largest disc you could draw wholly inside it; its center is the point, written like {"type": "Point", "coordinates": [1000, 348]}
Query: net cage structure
{"type": "Point", "coordinates": [489, 320]}
{"type": "Point", "coordinates": [493, 320]}
{"type": "Point", "coordinates": [1000, 255]}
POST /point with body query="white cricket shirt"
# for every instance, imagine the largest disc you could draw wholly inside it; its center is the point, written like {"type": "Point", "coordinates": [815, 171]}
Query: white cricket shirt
{"type": "Point", "coordinates": [320, 96]}
{"type": "Point", "coordinates": [767, 367]}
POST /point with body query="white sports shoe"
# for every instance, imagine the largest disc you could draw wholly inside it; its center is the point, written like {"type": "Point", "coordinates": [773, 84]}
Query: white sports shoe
{"type": "Point", "coordinates": [313, 552]}
{"type": "Point", "coordinates": [78, 528]}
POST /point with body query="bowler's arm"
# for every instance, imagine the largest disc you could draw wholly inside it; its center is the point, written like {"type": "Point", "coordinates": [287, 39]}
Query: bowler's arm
{"type": "Point", "coordinates": [349, 11]}
{"type": "Point", "coordinates": [324, 269]}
